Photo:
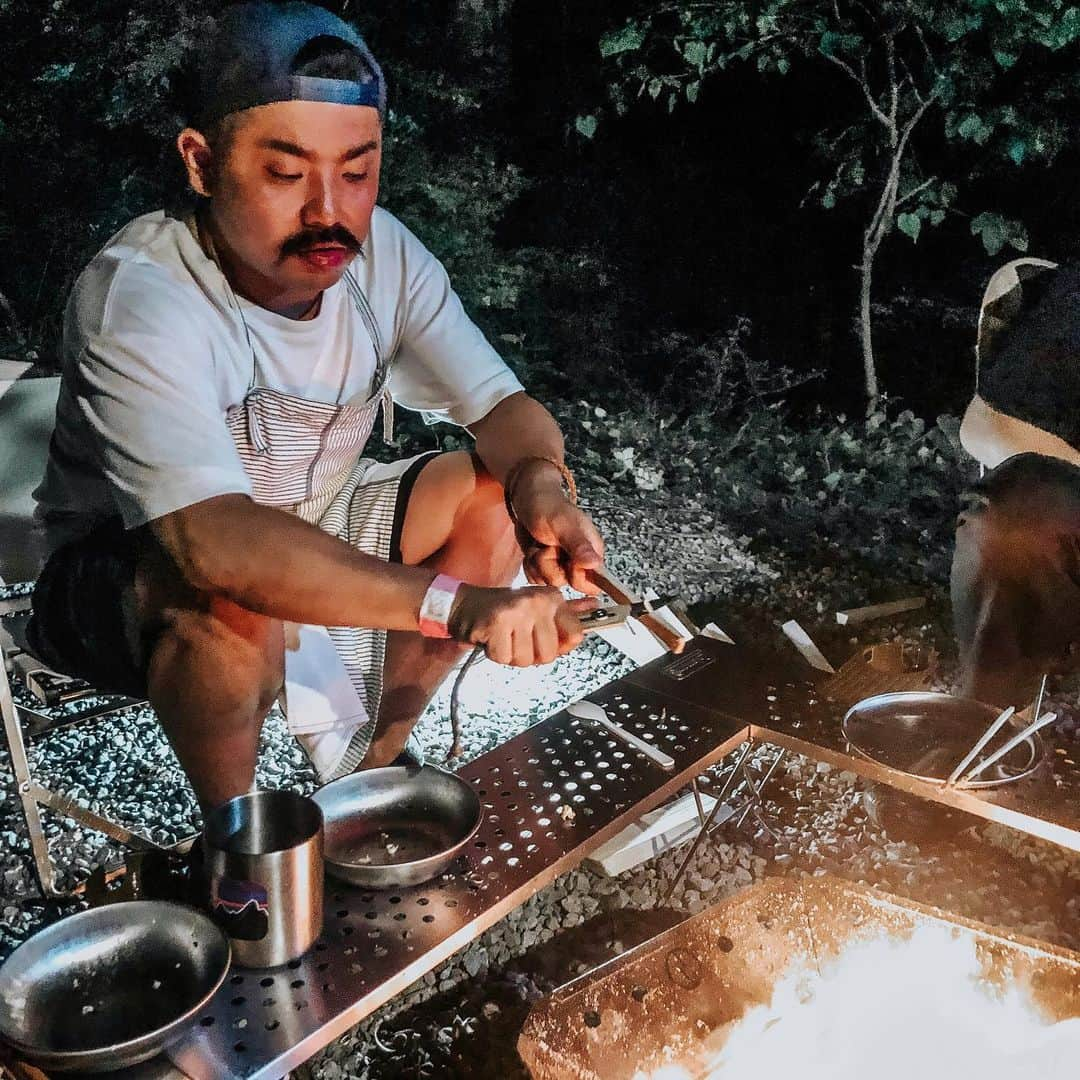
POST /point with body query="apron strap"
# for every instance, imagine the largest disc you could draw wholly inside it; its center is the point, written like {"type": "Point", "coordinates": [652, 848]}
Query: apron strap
{"type": "Point", "coordinates": [382, 362]}
{"type": "Point", "coordinates": [387, 415]}
{"type": "Point", "coordinates": [254, 424]}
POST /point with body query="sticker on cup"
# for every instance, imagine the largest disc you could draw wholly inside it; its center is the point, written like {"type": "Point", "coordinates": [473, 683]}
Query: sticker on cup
{"type": "Point", "coordinates": [240, 908]}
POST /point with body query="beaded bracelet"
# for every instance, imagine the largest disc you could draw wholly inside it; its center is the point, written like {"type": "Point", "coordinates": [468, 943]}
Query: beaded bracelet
{"type": "Point", "coordinates": [515, 472]}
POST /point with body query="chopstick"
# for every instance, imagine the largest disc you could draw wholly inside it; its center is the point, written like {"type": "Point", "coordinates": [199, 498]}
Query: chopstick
{"type": "Point", "coordinates": [995, 726]}
{"type": "Point", "coordinates": [1039, 699]}
{"type": "Point", "coordinates": [1015, 741]}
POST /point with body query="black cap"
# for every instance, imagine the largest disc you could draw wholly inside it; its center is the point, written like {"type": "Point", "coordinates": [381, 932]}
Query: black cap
{"type": "Point", "coordinates": [252, 53]}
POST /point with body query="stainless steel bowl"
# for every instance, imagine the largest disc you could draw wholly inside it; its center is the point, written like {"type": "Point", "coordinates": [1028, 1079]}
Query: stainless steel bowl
{"type": "Point", "coordinates": [396, 826]}
{"type": "Point", "coordinates": [110, 987]}
{"type": "Point", "coordinates": [927, 735]}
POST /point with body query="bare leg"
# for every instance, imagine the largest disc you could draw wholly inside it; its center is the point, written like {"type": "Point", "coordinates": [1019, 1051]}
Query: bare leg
{"type": "Point", "coordinates": [456, 523]}
{"type": "Point", "coordinates": [214, 671]}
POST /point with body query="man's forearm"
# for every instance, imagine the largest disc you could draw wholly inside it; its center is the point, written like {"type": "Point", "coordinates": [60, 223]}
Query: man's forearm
{"type": "Point", "coordinates": [518, 427]}
{"type": "Point", "coordinates": [278, 565]}
{"type": "Point", "coordinates": [991, 436]}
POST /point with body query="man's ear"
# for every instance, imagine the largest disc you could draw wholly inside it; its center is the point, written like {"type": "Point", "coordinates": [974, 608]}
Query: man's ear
{"type": "Point", "coordinates": [197, 155]}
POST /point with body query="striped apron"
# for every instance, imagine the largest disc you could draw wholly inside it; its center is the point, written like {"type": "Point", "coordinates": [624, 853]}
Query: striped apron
{"type": "Point", "coordinates": [303, 456]}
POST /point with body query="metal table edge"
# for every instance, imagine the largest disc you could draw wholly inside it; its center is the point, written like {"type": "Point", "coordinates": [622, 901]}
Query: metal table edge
{"type": "Point", "coordinates": [954, 798]}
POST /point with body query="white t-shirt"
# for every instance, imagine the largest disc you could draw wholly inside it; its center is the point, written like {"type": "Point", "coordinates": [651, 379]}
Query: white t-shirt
{"type": "Point", "coordinates": [155, 352]}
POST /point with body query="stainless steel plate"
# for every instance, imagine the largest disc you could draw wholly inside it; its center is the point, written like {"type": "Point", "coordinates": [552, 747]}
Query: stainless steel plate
{"type": "Point", "coordinates": [112, 986]}
{"type": "Point", "coordinates": [927, 734]}
{"type": "Point", "coordinates": [396, 826]}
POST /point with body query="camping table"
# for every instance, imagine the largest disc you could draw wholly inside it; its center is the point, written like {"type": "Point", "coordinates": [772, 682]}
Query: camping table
{"type": "Point", "coordinates": [698, 707]}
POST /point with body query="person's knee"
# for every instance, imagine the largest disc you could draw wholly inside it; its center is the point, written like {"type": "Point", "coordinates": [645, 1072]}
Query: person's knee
{"type": "Point", "coordinates": [232, 657]}
{"type": "Point", "coordinates": [457, 512]}
{"type": "Point", "coordinates": [490, 500]}
{"type": "Point", "coordinates": [488, 525]}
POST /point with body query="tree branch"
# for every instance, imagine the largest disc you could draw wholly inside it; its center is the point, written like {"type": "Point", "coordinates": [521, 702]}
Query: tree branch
{"type": "Point", "coordinates": [926, 51]}
{"type": "Point", "coordinates": [913, 192]}
{"type": "Point", "coordinates": [848, 70]}
{"type": "Point", "coordinates": [890, 53]}
{"type": "Point", "coordinates": [917, 116]}
{"type": "Point", "coordinates": [886, 207]}
{"type": "Point", "coordinates": [910, 79]}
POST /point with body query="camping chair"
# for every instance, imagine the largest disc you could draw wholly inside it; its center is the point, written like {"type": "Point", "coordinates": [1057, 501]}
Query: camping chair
{"type": "Point", "coordinates": [25, 717]}
{"type": "Point", "coordinates": [27, 411]}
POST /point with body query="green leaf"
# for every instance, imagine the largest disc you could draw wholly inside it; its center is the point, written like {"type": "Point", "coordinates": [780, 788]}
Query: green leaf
{"type": "Point", "coordinates": [991, 229]}
{"type": "Point", "coordinates": [910, 225]}
{"type": "Point", "coordinates": [1017, 149]}
{"type": "Point", "coordinates": [695, 53]}
{"type": "Point", "coordinates": [829, 40]}
{"type": "Point", "coordinates": [953, 28]}
{"type": "Point", "coordinates": [832, 480]}
{"type": "Point", "coordinates": [973, 127]}
{"type": "Point", "coordinates": [655, 85]}
{"type": "Point", "coordinates": [56, 73]}
{"type": "Point", "coordinates": [626, 39]}
{"type": "Point", "coordinates": [937, 217]}
{"type": "Point", "coordinates": [586, 125]}
{"type": "Point", "coordinates": [692, 91]}
{"type": "Point", "coordinates": [1004, 59]}
{"type": "Point", "coordinates": [997, 231]}
{"type": "Point", "coordinates": [783, 65]}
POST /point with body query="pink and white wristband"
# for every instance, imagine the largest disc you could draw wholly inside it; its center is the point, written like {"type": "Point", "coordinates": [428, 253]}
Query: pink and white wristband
{"type": "Point", "coordinates": [436, 605]}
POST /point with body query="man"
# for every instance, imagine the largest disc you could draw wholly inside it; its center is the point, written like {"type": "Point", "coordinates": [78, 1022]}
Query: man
{"type": "Point", "coordinates": [1016, 571]}
{"type": "Point", "coordinates": [222, 373]}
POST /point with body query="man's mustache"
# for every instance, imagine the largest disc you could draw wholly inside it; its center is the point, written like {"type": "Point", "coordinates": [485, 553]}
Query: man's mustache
{"type": "Point", "coordinates": [312, 238]}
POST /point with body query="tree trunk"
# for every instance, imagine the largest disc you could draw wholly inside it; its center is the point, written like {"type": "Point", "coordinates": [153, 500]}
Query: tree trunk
{"type": "Point", "coordinates": [873, 392]}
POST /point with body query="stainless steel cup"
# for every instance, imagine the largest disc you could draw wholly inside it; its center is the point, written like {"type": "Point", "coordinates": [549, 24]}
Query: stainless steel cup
{"type": "Point", "coordinates": [264, 871]}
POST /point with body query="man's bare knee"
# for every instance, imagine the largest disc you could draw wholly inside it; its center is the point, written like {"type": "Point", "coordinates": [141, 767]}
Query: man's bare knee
{"type": "Point", "coordinates": [234, 658]}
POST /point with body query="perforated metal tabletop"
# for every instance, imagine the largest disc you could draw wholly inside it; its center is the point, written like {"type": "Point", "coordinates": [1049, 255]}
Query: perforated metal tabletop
{"type": "Point", "coordinates": [375, 944]}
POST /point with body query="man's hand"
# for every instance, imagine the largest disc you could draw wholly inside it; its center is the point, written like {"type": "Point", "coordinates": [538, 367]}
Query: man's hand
{"type": "Point", "coordinates": [560, 543]}
{"type": "Point", "coordinates": [521, 627]}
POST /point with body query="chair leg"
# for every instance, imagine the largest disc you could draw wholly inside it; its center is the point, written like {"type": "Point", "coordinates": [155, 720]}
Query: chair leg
{"type": "Point", "coordinates": [20, 768]}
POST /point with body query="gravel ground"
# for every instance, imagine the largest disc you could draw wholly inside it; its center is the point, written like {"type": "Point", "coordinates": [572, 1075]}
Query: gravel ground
{"type": "Point", "coordinates": [462, 1019]}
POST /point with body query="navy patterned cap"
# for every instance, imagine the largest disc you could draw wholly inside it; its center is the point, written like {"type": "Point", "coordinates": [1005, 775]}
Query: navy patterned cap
{"type": "Point", "coordinates": [252, 53]}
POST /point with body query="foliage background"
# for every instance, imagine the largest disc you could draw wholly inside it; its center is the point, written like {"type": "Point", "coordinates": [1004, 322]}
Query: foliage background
{"type": "Point", "coordinates": [664, 283]}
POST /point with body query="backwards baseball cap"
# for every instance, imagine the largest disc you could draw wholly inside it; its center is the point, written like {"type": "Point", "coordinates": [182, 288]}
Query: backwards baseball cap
{"type": "Point", "coordinates": [255, 49]}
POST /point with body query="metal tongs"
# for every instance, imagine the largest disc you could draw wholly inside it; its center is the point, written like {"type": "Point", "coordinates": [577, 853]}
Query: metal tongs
{"type": "Point", "coordinates": [961, 779]}
{"type": "Point", "coordinates": [621, 603]}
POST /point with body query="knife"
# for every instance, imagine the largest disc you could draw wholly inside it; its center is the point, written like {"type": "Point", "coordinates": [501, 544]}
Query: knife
{"type": "Point", "coordinates": [589, 710]}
